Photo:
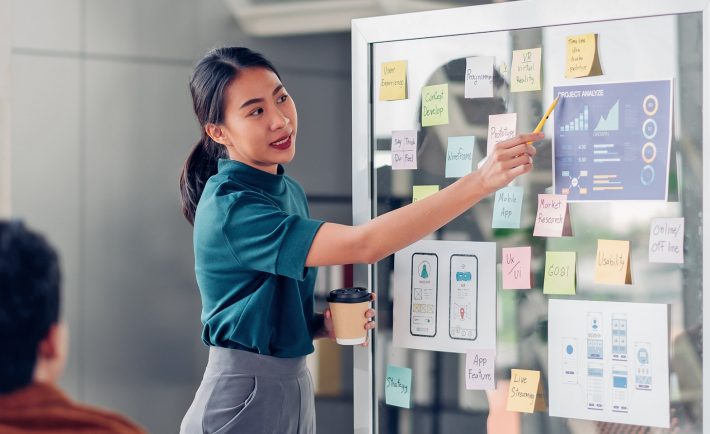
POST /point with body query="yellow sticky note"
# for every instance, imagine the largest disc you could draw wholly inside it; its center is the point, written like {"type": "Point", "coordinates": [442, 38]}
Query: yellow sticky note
{"type": "Point", "coordinates": [525, 393]}
{"type": "Point", "coordinates": [582, 56]}
{"type": "Point", "coordinates": [612, 264]}
{"type": "Point", "coordinates": [419, 192]}
{"type": "Point", "coordinates": [560, 273]}
{"type": "Point", "coordinates": [393, 81]}
{"type": "Point", "coordinates": [435, 105]}
{"type": "Point", "coordinates": [525, 70]}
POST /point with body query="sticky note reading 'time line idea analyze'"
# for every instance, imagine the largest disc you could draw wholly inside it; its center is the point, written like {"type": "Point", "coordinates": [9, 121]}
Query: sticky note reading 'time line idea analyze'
{"type": "Point", "coordinates": [560, 273]}
{"type": "Point", "coordinates": [480, 369]}
{"type": "Point", "coordinates": [398, 386]}
{"type": "Point", "coordinates": [507, 205]}
{"type": "Point", "coordinates": [435, 105]}
{"type": "Point", "coordinates": [419, 192]}
{"type": "Point", "coordinates": [612, 264]}
{"type": "Point", "coordinates": [525, 71]}
{"type": "Point", "coordinates": [525, 393]}
{"type": "Point", "coordinates": [582, 56]}
{"type": "Point", "coordinates": [393, 83]}
{"type": "Point", "coordinates": [515, 267]}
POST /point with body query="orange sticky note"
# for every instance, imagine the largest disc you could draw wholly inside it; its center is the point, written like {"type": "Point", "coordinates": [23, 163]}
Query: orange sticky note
{"type": "Point", "coordinates": [612, 263]}
{"type": "Point", "coordinates": [582, 56]}
{"type": "Point", "coordinates": [525, 393]}
{"type": "Point", "coordinates": [515, 266]}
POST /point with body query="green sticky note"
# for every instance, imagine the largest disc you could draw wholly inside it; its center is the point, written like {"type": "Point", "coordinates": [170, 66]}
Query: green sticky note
{"type": "Point", "coordinates": [506, 208]}
{"type": "Point", "coordinates": [398, 386]}
{"type": "Point", "coordinates": [560, 273]}
{"type": "Point", "coordinates": [419, 192]}
{"type": "Point", "coordinates": [435, 105]}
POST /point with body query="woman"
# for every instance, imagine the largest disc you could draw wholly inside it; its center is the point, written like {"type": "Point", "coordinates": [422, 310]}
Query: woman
{"type": "Point", "coordinates": [256, 248]}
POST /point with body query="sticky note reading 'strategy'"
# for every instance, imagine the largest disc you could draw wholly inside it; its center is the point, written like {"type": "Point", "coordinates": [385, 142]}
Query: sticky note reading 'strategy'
{"type": "Point", "coordinates": [393, 83]}
{"type": "Point", "coordinates": [507, 205]}
{"type": "Point", "coordinates": [479, 77]}
{"type": "Point", "coordinates": [398, 386]}
{"type": "Point", "coordinates": [404, 150]}
{"type": "Point", "coordinates": [435, 105]}
{"type": "Point", "coordinates": [419, 192]}
{"type": "Point", "coordinates": [665, 243]}
{"type": "Point", "coordinates": [525, 392]}
{"type": "Point", "coordinates": [612, 263]}
{"type": "Point", "coordinates": [560, 273]}
{"type": "Point", "coordinates": [525, 70]}
{"type": "Point", "coordinates": [459, 156]}
{"type": "Point", "coordinates": [515, 267]}
{"type": "Point", "coordinates": [582, 56]}
{"type": "Point", "coordinates": [500, 128]}
{"type": "Point", "coordinates": [480, 369]}
{"type": "Point", "coordinates": [552, 218]}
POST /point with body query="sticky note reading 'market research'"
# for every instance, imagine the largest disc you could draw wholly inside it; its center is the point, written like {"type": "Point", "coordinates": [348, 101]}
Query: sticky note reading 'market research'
{"type": "Point", "coordinates": [398, 386]}
{"type": "Point", "coordinates": [525, 70]}
{"type": "Point", "coordinates": [560, 273]}
{"type": "Point", "coordinates": [582, 56]}
{"type": "Point", "coordinates": [479, 77]}
{"type": "Point", "coordinates": [552, 218]}
{"type": "Point", "coordinates": [459, 156]}
{"type": "Point", "coordinates": [515, 266]}
{"type": "Point", "coordinates": [508, 203]}
{"type": "Point", "coordinates": [500, 128]}
{"type": "Point", "coordinates": [666, 240]}
{"type": "Point", "coordinates": [480, 369]}
{"type": "Point", "coordinates": [435, 105]}
{"type": "Point", "coordinates": [393, 82]}
{"type": "Point", "coordinates": [525, 392]}
{"type": "Point", "coordinates": [404, 150]}
{"type": "Point", "coordinates": [419, 192]}
{"type": "Point", "coordinates": [612, 263]}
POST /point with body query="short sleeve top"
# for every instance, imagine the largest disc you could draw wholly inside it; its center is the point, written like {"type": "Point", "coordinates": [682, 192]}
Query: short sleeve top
{"type": "Point", "coordinates": [251, 238]}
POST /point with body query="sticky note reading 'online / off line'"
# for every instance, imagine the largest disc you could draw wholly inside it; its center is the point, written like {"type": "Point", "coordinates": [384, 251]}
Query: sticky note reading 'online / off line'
{"type": "Point", "coordinates": [393, 83]}
{"type": "Point", "coordinates": [552, 218]}
{"type": "Point", "coordinates": [419, 192]}
{"type": "Point", "coordinates": [525, 393]}
{"type": "Point", "coordinates": [459, 156]}
{"type": "Point", "coordinates": [480, 369]}
{"type": "Point", "coordinates": [500, 128]}
{"type": "Point", "coordinates": [560, 273]}
{"type": "Point", "coordinates": [404, 150]}
{"type": "Point", "coordinates": [525, 70]}
{"type": "Point", "coordinates": [582, 56]}
{"type": "Point", "coordinates": [398, 386]}
{"type": "Point", "coordinates": [612, 263]}
{"type": "Point", "coordinates": [515, 267]}
{"type": "Point", "coordinates": [435, 105]}
{"type": "Point", "coordinates": [479, 77]}
{"type": "Point", "coordinates": [666, 240]}
{"type": "Point", "coordinates": [507, 205]}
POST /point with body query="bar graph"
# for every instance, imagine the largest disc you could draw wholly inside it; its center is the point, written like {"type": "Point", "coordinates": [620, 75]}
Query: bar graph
{"type": "Point", "coordinates": [579, 123]}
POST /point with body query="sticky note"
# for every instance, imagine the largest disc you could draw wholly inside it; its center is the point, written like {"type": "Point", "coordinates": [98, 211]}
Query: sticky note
{"type": "Point", "coordinates": [479, 77]}
{"type": "Point", "coordinates": [560, 273]}
{"type": "Point", "coordinates": [459, 156]}
{"type": "Point", "coordinates": [665, 243]}
{"type": "Point", "coordinates": [393, 81]}
{"type": "Point", "coordinates": [500, 128]}
{"type": "Point", "coordinates": [480, 369]}
{"type": "Point", "coordinates": [612, 263]}
{"type": "Point", "coordinates": [525, 393]}
{"type": "Point", "coordinates": [419, 192]}
{"type": "Point", "coordinates": [582, 56]}
{"type": "Point", "coordinates": [404, 150]}
{"type": "Point", "coordinates": [435, 105]}
{"type": "Point", "coordinates": [515, 267]}
{"type": "Point", "coordinates": [507, 205]}
{"type": "Point", "coordinates": [525, 70]}
{"type": "Point", "coordinates": [552, 218]}
{"type": "Point", "coordinates": [398, 386]}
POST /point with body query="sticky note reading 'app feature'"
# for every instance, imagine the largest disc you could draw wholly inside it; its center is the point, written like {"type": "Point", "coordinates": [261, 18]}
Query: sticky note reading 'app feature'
{"type": "Point", "coordinates": [480, 369]}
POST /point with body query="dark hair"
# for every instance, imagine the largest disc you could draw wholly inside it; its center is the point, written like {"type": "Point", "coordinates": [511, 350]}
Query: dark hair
{"type": "Point", "coordinates": [29, 301]}
{"type": "Point", "coordinates": [208, 84]}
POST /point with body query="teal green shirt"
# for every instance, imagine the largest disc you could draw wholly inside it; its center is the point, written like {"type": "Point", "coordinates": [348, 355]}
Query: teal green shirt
{"type": "Point", "coordinates": [252, 235]}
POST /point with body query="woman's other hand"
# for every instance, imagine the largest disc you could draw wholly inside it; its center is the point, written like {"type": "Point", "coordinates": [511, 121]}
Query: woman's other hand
{"type": "Point", "coordinates": [510, 159]}
{"type": "Point", "coordinates": [329, 329]}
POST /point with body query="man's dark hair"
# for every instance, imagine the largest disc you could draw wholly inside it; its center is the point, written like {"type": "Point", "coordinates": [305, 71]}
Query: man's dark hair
{"type": "Point", "coordinates": [29, 301]}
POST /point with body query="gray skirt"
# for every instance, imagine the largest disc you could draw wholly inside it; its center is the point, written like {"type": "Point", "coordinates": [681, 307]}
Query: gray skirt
{"type": "Point", "coordinates": [243, 392]}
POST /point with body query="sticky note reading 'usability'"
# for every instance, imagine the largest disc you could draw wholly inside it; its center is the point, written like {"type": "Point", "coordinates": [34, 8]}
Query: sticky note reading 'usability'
{"type": "Point", "coordinates": [480, 369]}
{"type": "Point", "coordinates": [525, 70]}
{"type": "Point", "coordinates": [500, 128]}
{"type": "Point", "coordinates": [560, 273]}
{"type": "Point", "coordinates": [479, 77]}
{"type": "Point", "coordinates": [612, 264]}
{"type": "Point", "coordinates": [459, 156]}
{"type": "Point", "coordinates": [582, 56]}
{"type": "Point", "coordinates": [665, 243]}
{"type": "Point", "coordinates": [404, 150]}
{"type": "Point", "coordinates": [507, 205]}
{"type": "Point", "coordinates": [398, 386]}
{"type": "Point", "coordinates": [525, 392]}
{"type": "Point", "coordinates": [435, 105]}
{"type": "Point", "coordinates": [515, 267]}
{"type": "Point", "coordinates": [419, 192]}
{"type": "Point", "coordinates": [552, 218]}
{"type": "Point", "coordinates": [393, 83]}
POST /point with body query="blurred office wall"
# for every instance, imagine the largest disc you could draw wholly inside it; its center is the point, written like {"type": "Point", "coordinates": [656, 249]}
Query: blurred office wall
{"type": "Point", "coordinates": [100, 121]}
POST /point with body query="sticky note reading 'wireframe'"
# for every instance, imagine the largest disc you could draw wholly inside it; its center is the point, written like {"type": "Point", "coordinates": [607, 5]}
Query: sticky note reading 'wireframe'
{"type": "Point", "coordinates": [459, 156]}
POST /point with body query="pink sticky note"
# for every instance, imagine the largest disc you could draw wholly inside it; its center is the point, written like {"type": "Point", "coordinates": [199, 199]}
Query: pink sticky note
{"type": "Point", "coordinates": [480, 369]}
{"type": "Point", "coordinates": [552, 219]}
{"type": "Point", "coordinates": [404, 150]}
{"type": "Point", "coordinates": [516, 267]}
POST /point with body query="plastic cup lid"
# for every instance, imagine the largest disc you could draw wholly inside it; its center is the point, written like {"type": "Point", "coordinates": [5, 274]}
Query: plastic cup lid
{"type": "Point", "coordinates": [349, 295]}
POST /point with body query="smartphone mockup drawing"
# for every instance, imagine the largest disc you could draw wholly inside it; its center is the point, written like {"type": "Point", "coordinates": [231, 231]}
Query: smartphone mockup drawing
{"type": "Point", "coordinates": [424, 294]}
{"type": "Point", "coordinates": [595, 343]}
{"type": "Point", "coordinates": [619, 349]}
{"type": "Point", "coordinates": [570, 362]}
{"type": "Point", "coordinates": [463, 297]}
{"type": "Point", "coordinates": [642, 360]}
{"type": "Point", "coordinates": [595, 386]}
{"type": "Point", "coordinates": [620, 389]}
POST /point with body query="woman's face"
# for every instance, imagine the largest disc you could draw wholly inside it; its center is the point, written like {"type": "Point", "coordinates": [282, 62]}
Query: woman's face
{"type": "Point", "coordinates": [260, 122]}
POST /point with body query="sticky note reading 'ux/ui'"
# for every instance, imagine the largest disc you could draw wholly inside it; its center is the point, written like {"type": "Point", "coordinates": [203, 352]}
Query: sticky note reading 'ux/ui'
{"type": "Point", "coordinates": [404, 150]}
{"type": "Point", "coordinates": [525, 393]}
{"type": "Point", "coordinates": [435, 105]}
{"type": "Point", "coordinates": [500, 128]}
{"type": "Point", "coordinates": [560, 273]}
{"type": "Point", "coordinates": [515, 267]}
{"type": "Point", "coordinates": [480, 369]}
{"type": "Point", "coordinates": [459, 156]}
{"type": "Point", "coordinates": [393, 83]}
{"type": "Point", "coordinates": [666, 240]}
{"type": "Point", "coordinates": [582, 56]}
{"type": "Point", "coordinates": [612, 265]}
{"type": "Point", "coordinates": [479, 77]}
{"type": "Point", "coordinates": [525, 70]}
{"type": "Point", "coordinates": [507, 205]}
{"type": "Point", "coordinates": [419, 192]}
{"type": "Point", "coordinates": [552, 218]}
{"type": "Point", "coordinates": [398, 386]}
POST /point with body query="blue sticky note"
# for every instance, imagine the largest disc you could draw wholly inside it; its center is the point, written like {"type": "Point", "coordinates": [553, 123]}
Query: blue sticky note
{"type": "Point", "coordinates": [507, 206]}
{"type": "Point", "coordinates": [398, 386]}
{"type": "Point", "coordinates": [459, 156]}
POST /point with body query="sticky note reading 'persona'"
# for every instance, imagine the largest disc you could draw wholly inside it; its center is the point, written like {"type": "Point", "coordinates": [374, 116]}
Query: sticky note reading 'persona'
{"type": "Point", "coordinates": [479, 77]}
{"type": "Point", "coordinates": [419, 192]}
{"type": "Point", "coordinates": [404, 150]}
{"type": "Point", "coordinates": [552, 218]}
{"type": "Point", "coordinates": [508, 203]}
{"type": "Point", "coordinates": [435, 105]}
{"type": "Point", "coordinates": [560, 273]}
{"type": "Point", "coordinates": [525, 392]}
{"type": "Point", "coordinates": [582, 56]}
{"type": "Point", "coordinates": [665, 243]}
{"type": "Point", "coordinates": [398, 386]}
{"type": "Point", "coordinates": [612, 263]}
{"type": "Point", "coordinates": [500, 128]}
{"type": "Point", "coordinates": [515, 267]}
{"type": "Point", "coordinates": [459, 156]}
{"type": "Point", "coordinates": [480, 369]}
{"type": "Point", "coordinates": [393, 81]}
{"type": "Point", "coordinates": [525, 70]}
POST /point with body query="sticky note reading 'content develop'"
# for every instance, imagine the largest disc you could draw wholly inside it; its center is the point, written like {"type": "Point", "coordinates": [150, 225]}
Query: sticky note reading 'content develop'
{"type": "Point", "coordinates": [552, 218]}
{"type": "Point", "coordinates": [525, 70]}
{"type": "Point", "coordinates": [612, 264]}
{"type": "Point", "coordinates": [398, 386]}
{"type": "Point", "coordinates": [515, 267]}
{"type": "Point", "coordinates": [479, 77]}
{"type": "Point", "coordinates": [393, 84]}
{"type": "Point", "coordinates": [507, 206]}
{"type": "Point", "coordinates": [435, 105]}
{"type": "Point", "coordinates": [525, 392]}
{"type": "Point", "coordinates": [666, 240]}
{"type": "Point", "coordinates": [582, 56]}
{"type": "Point", "coordinates": [560, 273]}
{"type": "Point", "coordinates": [480, 369]}
{"type": "Point", "coordinates": [404, 150]}
{"type": "Point", "coordinates": [459, 156]}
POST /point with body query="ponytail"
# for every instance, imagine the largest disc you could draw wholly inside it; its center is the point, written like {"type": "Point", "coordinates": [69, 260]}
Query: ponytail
{"type": "Point", "coordinates": [199, 166]}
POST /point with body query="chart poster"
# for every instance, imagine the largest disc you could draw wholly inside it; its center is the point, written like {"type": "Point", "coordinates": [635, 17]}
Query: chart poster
{"type": "Point", "coordinates": [612, 141]}
{"type": "Point", "coordinates": [445, 296]}
{"type": "Point", "coordinates": [608, 362]}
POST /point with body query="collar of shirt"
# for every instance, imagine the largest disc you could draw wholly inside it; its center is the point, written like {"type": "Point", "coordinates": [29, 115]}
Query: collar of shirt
{"type": "Point", "coordinates": [238, 171]}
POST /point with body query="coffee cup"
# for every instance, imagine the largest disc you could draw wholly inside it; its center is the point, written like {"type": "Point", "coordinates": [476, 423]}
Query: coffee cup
{"type": "Point", "coordinates": [348, 307]}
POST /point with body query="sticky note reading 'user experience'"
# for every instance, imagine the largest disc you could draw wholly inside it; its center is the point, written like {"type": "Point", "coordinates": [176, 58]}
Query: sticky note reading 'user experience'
{"type": "Point", "coordinates": [480, 369]}
{"type": "Point", "coordinates": [419, 192]}
{"type": "Point", "coordinates": [560, 273]}
{"type": "Point", "coordinates": [404, 150]}
{"type": "Point", "coordinates": [500, 128]}
{"type": "Point", "coordinates": [479, 77]}
{"type": "Point", "coordinates": [459, 156]}
{"type": "Point", "coordinates": [525, 393]}
{"type": "Point", "coordinates": [582, 56]}
{"type": "Point", "coordinates": [393, 82]}
{"type": "Point", "coordinates": [612, 264]}
{"type": "Point", "coordinates": [398, 386]}
{"type": "Point", "coordinates": [665, 243]}
{"type": "Point", "coordinates": [515, 267]}
{"type": "Point", "coordinates": [552, 218]}
{"type": "Point", "coordinates": [435, 105]}
{"type": "Point", "coordinates": [525, 70]}
{"type": "Point", "coordinates": [507, 205]}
